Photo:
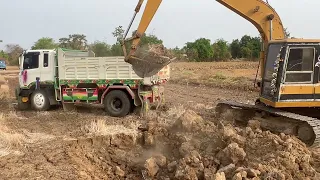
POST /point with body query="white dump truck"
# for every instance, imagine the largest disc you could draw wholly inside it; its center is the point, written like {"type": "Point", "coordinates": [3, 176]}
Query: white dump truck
{"type": "Point", "coordinates": [67, 77]}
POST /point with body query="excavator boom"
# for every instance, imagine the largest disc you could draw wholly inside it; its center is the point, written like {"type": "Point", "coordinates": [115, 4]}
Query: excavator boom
{"type": "Point", "coordinates": [258, 12]}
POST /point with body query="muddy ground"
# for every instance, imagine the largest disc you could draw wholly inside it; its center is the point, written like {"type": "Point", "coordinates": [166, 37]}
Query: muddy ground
{"type": "Point", "coordinates": [182, 141]}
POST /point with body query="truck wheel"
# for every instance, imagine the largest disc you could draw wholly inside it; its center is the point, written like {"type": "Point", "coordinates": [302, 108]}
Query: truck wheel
{"type": "Point", "coordinates": [117, 103]}
{"type": "Point", "coordinates": [40, 101]}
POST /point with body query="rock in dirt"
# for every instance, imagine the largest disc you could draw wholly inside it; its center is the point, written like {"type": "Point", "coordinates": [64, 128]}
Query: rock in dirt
{"type": "Point", "coordinates": [119, 171]}
{"type": "Point", "coordinates": [254, 124]}
{"type": "Point", "coordinates": [190, 121]}
{"type": "Point", "coordinates": [186, 148]}
{"type": "Point", "coordinates": [231, 154]}
{"type": "Point", "coordinates": [160, 159]}
{"type": "Point", "coordinates": [172, 166]}
{"type": "Point", "coordinates": [151, 167]}
{"type": "Point", "coordinates": [123, 140]}
{"type": "Point", "coordinates": [227, 170]}
{"type": "Point", "coordinates": [230, 135]}
{"type": "Point", "coordinates": [220, 176]}
{"type": "Point", "coordinates": [251, 173]}
{"type": "Point", "coordinates": [186, 172]}
{"type": "Point", "coordinates": [209, 173]}
{"type": "Point", "coordinates": [148, 139]}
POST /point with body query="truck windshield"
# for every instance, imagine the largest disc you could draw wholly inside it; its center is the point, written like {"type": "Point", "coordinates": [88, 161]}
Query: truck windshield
{"type": "Point", "coordinates": [2, 62]}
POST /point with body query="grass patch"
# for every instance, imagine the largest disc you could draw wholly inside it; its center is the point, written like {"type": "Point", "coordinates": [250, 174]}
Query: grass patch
{"type": "Point", "coordinates": [8, 140]}
{"type": "Point", "coordinates": [101, 128]}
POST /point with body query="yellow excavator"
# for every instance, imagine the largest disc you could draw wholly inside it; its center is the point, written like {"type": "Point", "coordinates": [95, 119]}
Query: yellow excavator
{"type": "Point", "coordinates": [289, 98]}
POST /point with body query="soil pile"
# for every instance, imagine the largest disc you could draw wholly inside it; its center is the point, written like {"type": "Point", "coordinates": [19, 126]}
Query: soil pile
{"type": "Point", "coordinates": [193, 148]}
{"type": "Point", "coordinates": [168, 146]}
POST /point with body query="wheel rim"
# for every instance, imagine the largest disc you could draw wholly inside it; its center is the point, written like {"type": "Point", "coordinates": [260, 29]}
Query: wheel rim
{"type": "Point", "coordinates": [116, 104]}
{"type": "Point", "coordinates": [39, 100]}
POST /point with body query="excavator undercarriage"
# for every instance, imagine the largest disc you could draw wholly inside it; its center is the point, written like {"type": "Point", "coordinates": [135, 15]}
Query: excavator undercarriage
{"type": "Point", "coordinates": [306, 128]}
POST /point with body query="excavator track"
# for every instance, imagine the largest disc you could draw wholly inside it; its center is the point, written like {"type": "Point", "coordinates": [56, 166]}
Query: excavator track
{"type": "Point", "coordinates": [306, 128]}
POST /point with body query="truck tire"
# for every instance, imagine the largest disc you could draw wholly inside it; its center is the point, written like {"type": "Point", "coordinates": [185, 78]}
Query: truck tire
{"type": "Point", "coordinates": [39, 100]}
{"type": "Point", "coordinates": [117, 103]}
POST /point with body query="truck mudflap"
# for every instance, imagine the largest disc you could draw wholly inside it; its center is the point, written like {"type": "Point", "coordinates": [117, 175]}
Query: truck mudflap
{"type": "Point", "coordinates": [17, 92]}
{"type": "Point", "coordinates": [152, 98]}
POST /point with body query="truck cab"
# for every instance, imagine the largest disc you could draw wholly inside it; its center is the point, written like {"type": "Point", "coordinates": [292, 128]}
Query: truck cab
{"type": "Point", "coordinates": [36, 65]}
{"type": "Point", "coordinates": [3, 64]}
{"type": "Point", "coordinates": [37, 74]}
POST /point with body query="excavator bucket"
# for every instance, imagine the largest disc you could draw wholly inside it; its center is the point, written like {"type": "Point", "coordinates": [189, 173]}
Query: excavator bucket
{"type": "Point", "coordinates": [149, 61]}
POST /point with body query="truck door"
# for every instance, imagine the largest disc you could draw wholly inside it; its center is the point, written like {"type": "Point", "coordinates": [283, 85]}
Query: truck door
{"type": "Point", "coordinates": [30, 68]}
{"type": "Point", "coordinates": [317, 76]}
{"type": "Point", "coordinates": [47, 66]}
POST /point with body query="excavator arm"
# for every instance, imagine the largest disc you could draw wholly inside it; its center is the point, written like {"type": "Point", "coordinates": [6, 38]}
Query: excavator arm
{"type": "Point", "coordinates": [258, 12]}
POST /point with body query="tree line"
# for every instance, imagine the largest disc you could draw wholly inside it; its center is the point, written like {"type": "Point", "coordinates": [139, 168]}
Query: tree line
{"type": "Point", "coordinates": [201, 49]}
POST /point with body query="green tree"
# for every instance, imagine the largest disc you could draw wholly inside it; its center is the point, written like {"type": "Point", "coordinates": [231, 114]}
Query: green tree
{"type": "Point", "coordinates": [178, 53]}
{"type": "Point", "coordinates": [118, 33]}
{"type": "Point", "coordinates": [116, 50]}
{"type": "Point", "coordinates": [101, 49]}
{"type": "Point", "coordinates": [13, 51]}
{"type": "Point", "coordinates": [145, 39]}
{"type": "Point", "coordinates": [221, 50]}
{"type": "Point", "coordinates": [74, 41]}
{"type": "Point", "coordinates": [4, 55]}
{"type": "Point", "coordinates": [255, 46]}
{"type": "Point", "coordinates": [235, 49]}
{"type": "Point", "coordinates": [200, 49]}
{"type": "Point", "coordinates": [246, 52]}
{"type": "Point", "coordinates": [149, 39]}
{"type": "Point", "coordinates": [44, 43]}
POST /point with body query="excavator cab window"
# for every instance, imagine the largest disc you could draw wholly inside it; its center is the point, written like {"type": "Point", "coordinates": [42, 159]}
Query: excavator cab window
{"type": "Point", "coordinates": [273, 52]}
{"type": "Point", "coordinates": [299, 68]}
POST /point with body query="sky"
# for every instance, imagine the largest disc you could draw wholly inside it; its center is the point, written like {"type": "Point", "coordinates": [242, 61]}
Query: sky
{"type": "Point", "coordinates": [176, 21]}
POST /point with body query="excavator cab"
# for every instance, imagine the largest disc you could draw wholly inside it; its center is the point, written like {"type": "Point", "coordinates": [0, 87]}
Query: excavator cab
{"type": "Point", "coordinates": [289, 97]}
{"type": "Point", "coordinates": [291, 78]}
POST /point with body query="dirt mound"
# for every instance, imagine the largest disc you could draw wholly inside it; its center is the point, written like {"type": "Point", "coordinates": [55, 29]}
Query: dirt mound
{"type": "Point", "coordinates": [224, 152]}
{"type": "Point", "coordinates": [183, 145]}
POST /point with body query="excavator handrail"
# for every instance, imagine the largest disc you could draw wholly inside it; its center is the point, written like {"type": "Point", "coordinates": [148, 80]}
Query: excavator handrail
{"type": "Point", "coordinates": [257, 12]}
